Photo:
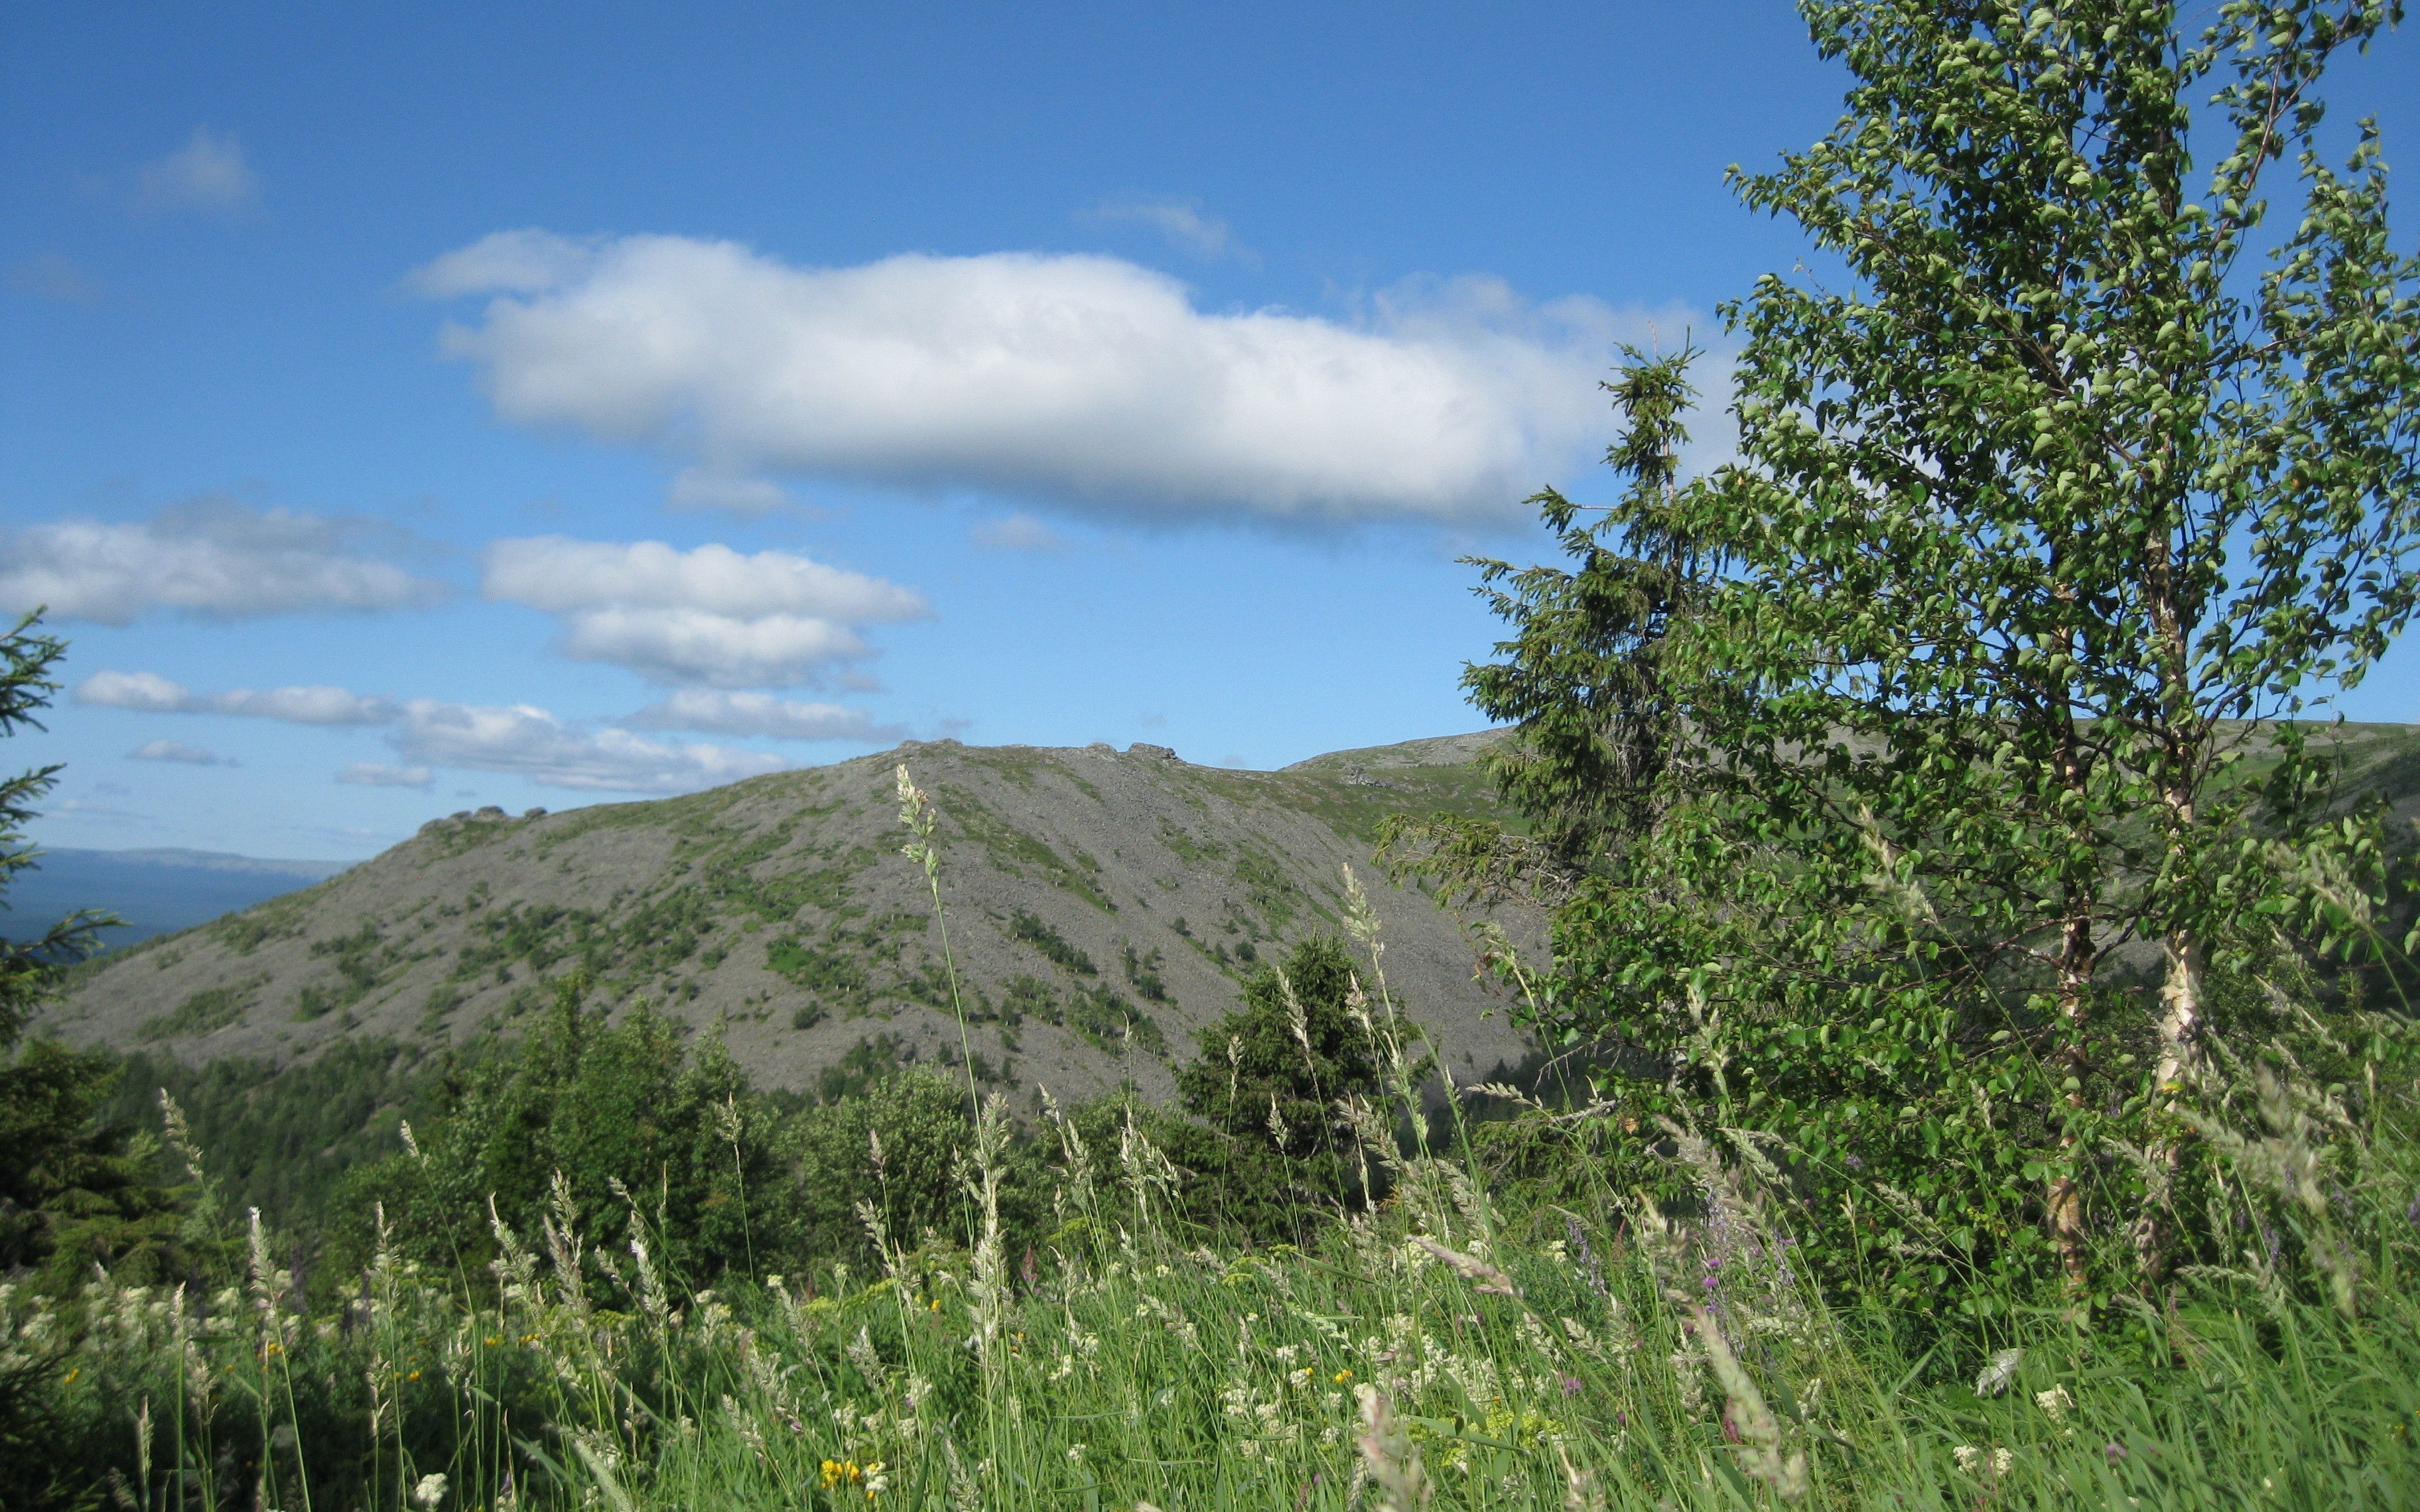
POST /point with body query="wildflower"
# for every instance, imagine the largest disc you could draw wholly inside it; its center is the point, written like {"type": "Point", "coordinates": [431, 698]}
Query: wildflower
{"type": "Point", "coordinates": [1343, 1376]}
{"type": "Point", "coordinates": [1967, 1455]}
{"type": "Point", "coordinates": [430, 1492]}
{"type": "Point", "coordinates": [1075, 1454]}
{"type": "Point", "coordinates": [2054, 1403]}
{"type": "Point", "coordinates": [839, 1472]}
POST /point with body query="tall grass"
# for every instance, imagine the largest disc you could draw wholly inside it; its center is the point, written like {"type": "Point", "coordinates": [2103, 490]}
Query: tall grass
{"type": "Point", "coordinates": [1443, 1352]}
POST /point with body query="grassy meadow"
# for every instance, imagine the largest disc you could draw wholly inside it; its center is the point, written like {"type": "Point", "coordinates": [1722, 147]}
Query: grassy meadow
{"type": "Point", "coordinates": [1466, 1341]}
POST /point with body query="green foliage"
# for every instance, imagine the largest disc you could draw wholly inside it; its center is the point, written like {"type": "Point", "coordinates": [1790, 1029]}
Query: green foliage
{"type": "Point", "coordinates": [1094, 1010]}
{"type": "Point", "coordinates": [1275, 1154]}
{"type": "Point", "coordinates": [619, 1113]}
{"type": "Point", "coordinates": [897, 1146]}
{"type": "Point", "coordinates": [863, 1067]}
{"type": "Point", "coordinates": [27, 966]}
{"type": "Point", "coordinates": [284, 1139]}
{"type": "Point", "coordinates": [1513, 1356]}
{"type": "Point", "coordinates": [205, 1011]}
{"type": "Point", "coordinates": [836, 975]}
{"type": "Point", "coordinates": [73, 1190]}
{"type": "Point", "coordinates": [1016, 852]}
{"type": "Point", "coordinates": [1142, 974]}
{"type": "Point", "coordinates": [1863, 769]}
{"type": "Point", "coordinates": [1039, 934]}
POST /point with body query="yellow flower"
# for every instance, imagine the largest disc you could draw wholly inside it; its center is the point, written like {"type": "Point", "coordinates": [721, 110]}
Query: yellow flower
{"type": "Point", "coordinates": [839, 1471]}
{"type": "Point", "coordinates": [936, 1304]}
{"type": "Point", "coordinates": [72, 1374]}
{"type": "Point", "coordinates": [1343, 1376]}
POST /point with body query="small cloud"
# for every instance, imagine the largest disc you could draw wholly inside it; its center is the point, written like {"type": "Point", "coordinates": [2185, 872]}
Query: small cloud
{"type": "Point", "coordinates": [760, 713]}
{"type": "Point", "coordinates": [99, 811]}
{"type": "Point", "coordinates": [707, 489]}
{"type": "Point", "coordinates": [212, 557]}
{"type": "Point", "coordinates": [50, 276]}
{"type": "Point", "coordinates": [176, 750]}
{"type": "Point", "coordinates": [378, 775]}
{"type": "Point", "coordinates": [113, 790]}
{"type": "Point", "coordinates": [1151, 721]}
{"type": "Point", "coordinates": [505, 262]}
{"type": "Point", "coordinates": [531, 743]}
{"type": "Point", "coordinates": [151, 693]}
{"type": "Point", "coordinates": [708, 615]}
{"type": "Point", "coordinates": [207, 172]}
{"type": "Point", "coordinates": [1016, 532]}
{"type": "Point", "coordinates": [1186, 226]}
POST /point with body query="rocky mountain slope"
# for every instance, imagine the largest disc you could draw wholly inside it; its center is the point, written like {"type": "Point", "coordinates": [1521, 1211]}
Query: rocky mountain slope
{"type": "Point", "coordinates": [1103, 906]}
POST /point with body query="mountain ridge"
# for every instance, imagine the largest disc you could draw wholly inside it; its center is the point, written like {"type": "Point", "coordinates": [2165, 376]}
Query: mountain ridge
{"type": "Point", "coordinates": [1102, 906]}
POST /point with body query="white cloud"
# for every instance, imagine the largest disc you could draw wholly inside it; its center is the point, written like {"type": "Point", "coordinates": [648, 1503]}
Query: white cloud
{"type": "Point", "coordinates": [708, 615]}
{"type": "Point", "coordinates": [532, 743]}
{"type": "Point", "coordinates": [379, 775]}
{"type": "Point", "coordinates": [176, 750]}
{"type": "Point", "coordinates": [529, 742]}
{"type": "Point", "coordinates": [214, 558]}
{"type": "Point", "coordinates": [687, 645]}
{"type": "Point", "coordinates": [760, 713]}
{"type": "Point", "coordinates": [1015, 532]}
{"type": "Point", "coordinates": [151, 693]}
{"type": "Point", "coordinates": [1085, 379]}
{"type": "Point", "coordinates": [511, 262]}
{"type": "Point", "coordinates": [1186, 225]}
{"type": "Point", "coordinates": [706, 488]}
{"type": "Point", "coordinates": [552, 573]}
{"type": "Point", "coordinates": [50, 276]}
{"type": "Point", "coordinates": [207, 172]}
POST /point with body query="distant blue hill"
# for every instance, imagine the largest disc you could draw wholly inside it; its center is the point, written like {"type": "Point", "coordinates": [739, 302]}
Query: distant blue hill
{"type": "Point", "coordinates": [155, 892]}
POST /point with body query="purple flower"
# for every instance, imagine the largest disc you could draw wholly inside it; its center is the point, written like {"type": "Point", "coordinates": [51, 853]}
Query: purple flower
{"type": "Point", "coordinates": [2112, 1452]}
{"type": "Point", "coordinates": [1571, 1385]}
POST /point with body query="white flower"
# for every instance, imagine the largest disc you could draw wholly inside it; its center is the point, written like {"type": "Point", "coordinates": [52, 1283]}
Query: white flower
{"type": "Point", "coordinates": [430, 1490]}
{"type": "Point", "coordinates": [1075, 1454]}
{"type": "Point", "coordinates": [2053, 1403]}
{"type": "Point", "coordinates": [1965, 1455]}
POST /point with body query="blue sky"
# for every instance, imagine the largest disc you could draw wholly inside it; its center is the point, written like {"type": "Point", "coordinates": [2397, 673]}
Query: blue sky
{"type": "Point", "coordinates": [419, 408]}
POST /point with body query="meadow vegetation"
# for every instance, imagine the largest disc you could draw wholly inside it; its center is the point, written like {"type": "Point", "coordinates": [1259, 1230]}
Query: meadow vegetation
{"type": "Point", "coordinates": [1980, 1066]}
